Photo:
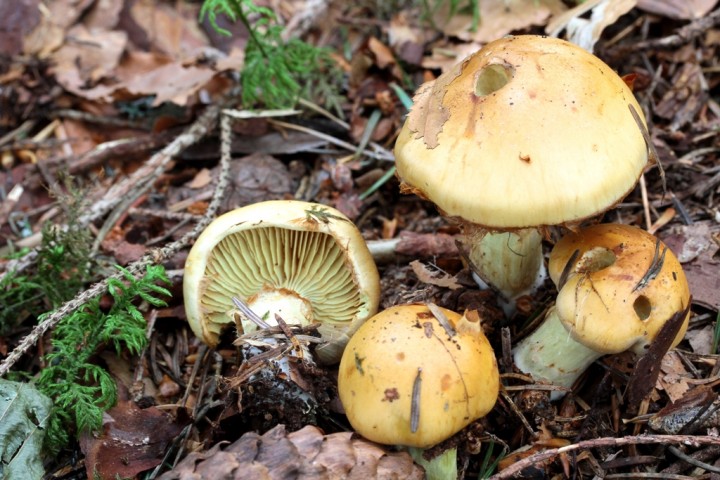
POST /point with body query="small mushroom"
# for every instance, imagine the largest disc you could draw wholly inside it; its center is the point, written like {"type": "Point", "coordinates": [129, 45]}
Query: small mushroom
{"type": "Point", "coordinates": [305, 262]}
{"type": "Point", "coordinates": [414, 376]}
{"type": "Point", "coordinates": [618, 285]}
{"type": "Point", "coordinates": [526, 133]}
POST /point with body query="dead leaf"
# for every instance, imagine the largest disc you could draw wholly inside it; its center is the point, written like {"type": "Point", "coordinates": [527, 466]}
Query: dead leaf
{"type": "Point", "coordinates": [202, 179]}
{"type": "Point", "coordinates": [692, 407]}
{"type": "Point", "coordinates": [586, 32]}
{"type": "Point", "coordinates": [439, 279]}
{"type": "Point", "coordinates": [674, 377]}
{"type": "Point", "coordinates": [171, 28]}
{"type": "Point", "coordinates": [407, 40]}
{"type": "Point", "coordinates": [701, 340]}
{"type": "Point", "coordinates": [694, 247]}
{"type": "Point", "coordinates": [678, 9]}
{"type": "Point", "coordinates": [17, 19]}
{"type": "Point", "coordinates": [445, 57]}
{"type": "Point", "coordinates": [687, 97]}
{"type": "Point", "coordinates": [133, 440]}
{"type": "Point", "coordinates": [383, 55]}
{"type": "Point", "coordinates": [87, 56]}
{"type": "Point", "coordinates": [648, 367]}
{"type": "Point", "coordinates": [498, 18]}
{"type": "Point", "coordinates": [103, 15]}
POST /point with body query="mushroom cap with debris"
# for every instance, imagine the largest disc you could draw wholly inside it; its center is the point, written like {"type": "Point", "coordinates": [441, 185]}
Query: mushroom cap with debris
{"type": "Point", "coordinates": [528, 131]}
{"type": "Point", "coordinates": [304, 261]}
{"type": "Point", "coordinates": [620, 288]}
{"type": "Point", "coordinates": [409, 378]}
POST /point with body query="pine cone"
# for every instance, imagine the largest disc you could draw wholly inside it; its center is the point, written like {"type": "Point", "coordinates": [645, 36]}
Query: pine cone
{"type": "Point", "coordinates": [306, 454]}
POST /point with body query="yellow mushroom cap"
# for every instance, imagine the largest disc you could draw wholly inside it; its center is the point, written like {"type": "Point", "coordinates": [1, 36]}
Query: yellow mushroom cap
{"type": "Point", "coordinates": [404, 353]}
{"type": "Point", "coordinates": [309, 252]}
{"type": "Point", "coordinates": [622, 286]}
{"type": "Point", "coordinates": [528, 131]}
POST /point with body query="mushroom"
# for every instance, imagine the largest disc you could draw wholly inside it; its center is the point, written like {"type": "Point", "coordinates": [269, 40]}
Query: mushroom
{"type": "Point", "coordinates": [618, 285]}
{"type": "Point", "coordinates": [413, 376]}
{"type": "Point", "coordinates": [526, 133]}
{"type": "Point", "coordinates": [303, 261]}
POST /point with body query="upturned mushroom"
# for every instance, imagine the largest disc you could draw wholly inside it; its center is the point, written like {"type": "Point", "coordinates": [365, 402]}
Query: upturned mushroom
{"type": "Point", "coordinates": [526, 133]}
{"type": "Point", "coordinates": [305, 262]}
{"type": "Point", "coordinates": [413, 377]}
{"type": "Point", "coordinates": [618, 285]}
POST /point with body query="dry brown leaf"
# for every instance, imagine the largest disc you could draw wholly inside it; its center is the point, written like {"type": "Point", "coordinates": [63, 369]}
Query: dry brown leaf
{"type": "Point", "coordinates": [44, 39]}
{"type": "Point", "coordinates": [696, 250]}
{"type": "Point", "coordinates": [170, 28]}
{"type": "Point", "coordinates": [17, 19]}
{"type": "Point", "coordinates": [383, 55]}
{"type": "Point", "coordinates": [701, 340]}
{"type": "Point", "coordinates": [447, 56]}
{"type": "Point", "coordinates": [497, 20]}
{"type": "Point", "coordinates": [202, 179]}
{"type": "Point", "coordinates": [87, 56]}
{"type": "Point", "coordinates": [103, 15]}
{"type": "Point", "coordinates": [678, 9]}
{"type": "Point", "coordinates": [406, 39]}
{"type": "Point", "coordinates": [673, 376]}
{"type": "Point", "coordinates": [430, 277]}
{"type": "Point", "coordinates": [586, 32]}
{"type": "Point", "coordinates": [133, 440]}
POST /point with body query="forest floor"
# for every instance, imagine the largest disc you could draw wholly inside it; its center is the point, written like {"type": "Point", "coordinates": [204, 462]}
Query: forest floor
{"type": "Point", "coordinates": [110, 155]}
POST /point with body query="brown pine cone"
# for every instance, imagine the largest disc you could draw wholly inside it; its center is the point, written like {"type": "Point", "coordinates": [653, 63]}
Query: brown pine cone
{"type": "Point", "coordinates": [306, 454]}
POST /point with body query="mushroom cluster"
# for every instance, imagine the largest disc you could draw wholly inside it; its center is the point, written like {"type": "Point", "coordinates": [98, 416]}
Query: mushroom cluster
{"type": "Point", "coordinates": [413, 376]}
{"type": "Point", "coordinates": [303, 261]}
{"type": "Point", "coordinates": [527, 132]}
{"type": "Point", "coordinates": [618, 285]}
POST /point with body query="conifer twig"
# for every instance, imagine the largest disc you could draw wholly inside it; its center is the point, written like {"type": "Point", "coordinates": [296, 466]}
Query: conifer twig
{"type": "Point", "coordinates": [153, 257]}
{"type": "Point", "coordinates": [550, 453]}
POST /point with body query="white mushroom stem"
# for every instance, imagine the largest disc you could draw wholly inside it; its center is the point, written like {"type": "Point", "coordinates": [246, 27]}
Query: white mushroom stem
{"type": "Point", "coordinates": [511, 262]}
{"type": "Point", "coordinates": [551, 354]}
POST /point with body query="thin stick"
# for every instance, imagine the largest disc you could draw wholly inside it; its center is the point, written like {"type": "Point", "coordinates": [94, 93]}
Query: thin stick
{"type": "Point", "coordinates": [604, 442]}
{"type": "Point", "coordinates": [155, 256]}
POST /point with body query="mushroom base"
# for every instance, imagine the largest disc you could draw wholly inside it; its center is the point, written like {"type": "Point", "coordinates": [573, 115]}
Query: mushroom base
{"type": "Point", "coordinates": [442, 467]}
{"type": "Point", "coordinates": [511, 262]}
{"type": "Point", "coordinates": [551, 354]}
{"type": "Point", "coordinates": [288, 305]}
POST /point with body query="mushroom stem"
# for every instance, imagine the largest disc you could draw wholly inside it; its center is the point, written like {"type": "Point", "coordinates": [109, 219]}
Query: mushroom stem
{"type": "Point", "coordinates": [442, 467]}
{"type": "Point", "coordinates": [551, 353]}
{"type": "Point", "coordinates": [511, 262]}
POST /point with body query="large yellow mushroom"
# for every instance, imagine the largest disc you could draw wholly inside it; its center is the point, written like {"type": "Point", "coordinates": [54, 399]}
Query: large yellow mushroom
{"type": "Point", "coordinates": [527, 132]}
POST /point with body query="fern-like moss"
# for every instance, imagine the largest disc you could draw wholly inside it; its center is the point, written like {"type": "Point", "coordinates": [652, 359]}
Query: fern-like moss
{"type": "Point", "coordinates": [80, 389]}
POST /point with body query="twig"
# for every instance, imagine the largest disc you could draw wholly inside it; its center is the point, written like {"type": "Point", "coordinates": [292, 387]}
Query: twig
{"type": "Point", "coordinates": [381, 155]}
{"type": "Point", "coordinates": [683, 35]}
{"type": "Point", "coordinates": [143, 178]}
{"type": "Point", "coordinates": [519, 466]}
{"type": "Point", "coordinates": [692, 461]}
{"type": "Point", "coordinates": [153, 257]}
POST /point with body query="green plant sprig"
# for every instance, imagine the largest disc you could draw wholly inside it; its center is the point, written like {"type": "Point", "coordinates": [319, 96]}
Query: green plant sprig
{"type": "Point", "coordinates": [80, 389]}
{"type": "Point", "coordinates": [276, 72]}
